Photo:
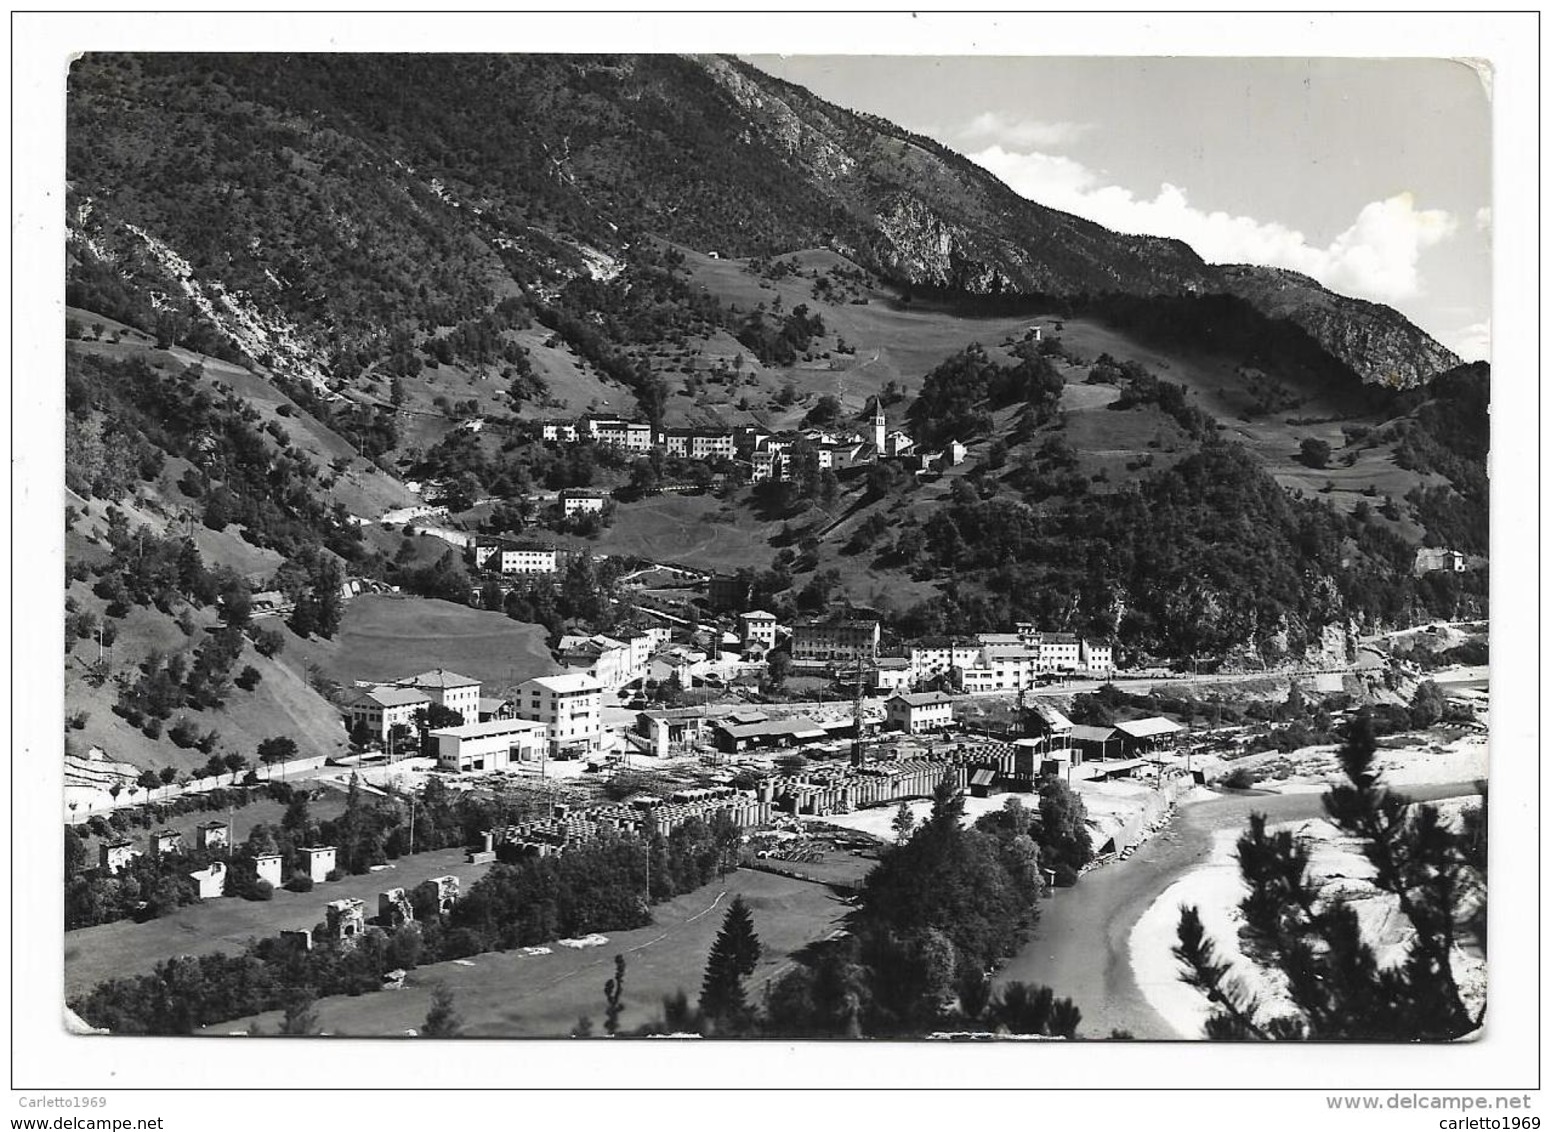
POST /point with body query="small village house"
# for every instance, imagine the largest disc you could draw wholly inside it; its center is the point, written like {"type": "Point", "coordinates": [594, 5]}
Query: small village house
{"type": "Point", "coordinates": [918, 712]}
{"type": "Point", "coordinates": [211, 880]}
{"type": "Point", "coordinates": [317, 861]}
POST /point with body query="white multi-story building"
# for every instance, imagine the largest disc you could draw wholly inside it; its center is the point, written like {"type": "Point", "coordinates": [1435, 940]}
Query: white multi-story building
{"type": "Point", "coordinates": [835, 641]}
{"type": "Point", "coordinates": [771, 459]}
{"type": "Point", "coordinates": [451, 691]}
{"type": "Point", "coordinates": [556, 430]}
{"type": "Point", "coordinates": [570, 704]}
{"type": "Point", "coordinates": [1060, 652]}
{"type": "Point", "coordinates": [529, 560]}
{"type": "Point", "coordinates": [710, 446]}
{"type": "Point", "coordinates": [759, 628]}
{"type": "Point", "coordinates": [515, 558]}
{"type": "Point", "coordinates": [1098, 656]}
{"type": "Point", "coordinates": [574, 502]}
{"type": "Point", "coordinates": [612, 662]}
{"type": "Point", "coordinates": [382, 707]}
{"type": "Point", "coordinates": [493, 745]}
{"type": "Point", "coordinates": [632, 436]}
{"type": "Point", "coordinates": [938, 656]}
{"type": "Point", "coordinates": [999, 668]}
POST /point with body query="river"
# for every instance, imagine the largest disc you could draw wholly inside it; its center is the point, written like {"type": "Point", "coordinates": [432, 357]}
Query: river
{"type": "Point", "coordinates": [1081, 946]}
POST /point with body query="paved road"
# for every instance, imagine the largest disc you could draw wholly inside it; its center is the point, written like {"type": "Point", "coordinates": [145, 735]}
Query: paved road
{"type": "Point", "coordinates": [1081, 948]}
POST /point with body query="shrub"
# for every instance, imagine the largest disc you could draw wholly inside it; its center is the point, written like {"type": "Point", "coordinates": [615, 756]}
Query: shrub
{"type": "Point", "coordinates": [1065, 875]}
{"type": "Point", "coordinates": [300, 882]}
{"type": "Point", "coordinates": [336, 874]}
{"type": "Point", "coordinates": [269, 642]}
{"type": "Point", "coordinates": [1240, 778]}
{"type": "Point", "coordinates": [1315, 453]}
{"type": "Point", "coordinates": [263, 890]}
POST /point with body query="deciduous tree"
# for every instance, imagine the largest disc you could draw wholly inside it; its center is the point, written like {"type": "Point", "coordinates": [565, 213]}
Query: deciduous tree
{"type": "Point", "coordinates": [441, 1020]}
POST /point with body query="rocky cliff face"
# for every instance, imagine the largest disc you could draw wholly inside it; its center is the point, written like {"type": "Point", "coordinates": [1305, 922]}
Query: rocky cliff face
{"type": "Point", "coordinates": [1375, 342]}
{"type": "Point", "coordinates": [929, 216]}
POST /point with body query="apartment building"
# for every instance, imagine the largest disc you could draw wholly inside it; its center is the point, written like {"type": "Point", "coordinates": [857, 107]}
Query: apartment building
{"type": "Point", "coordinates": [570, 704]}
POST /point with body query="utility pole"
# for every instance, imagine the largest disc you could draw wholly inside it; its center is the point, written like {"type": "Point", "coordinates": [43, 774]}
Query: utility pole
{"type": "Point", "coordinates": [858, 703]}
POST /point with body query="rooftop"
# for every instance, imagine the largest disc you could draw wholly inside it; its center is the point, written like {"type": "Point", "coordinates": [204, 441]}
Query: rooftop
{"type": "Point", "coordinates": [566, 682]}
{"type": "Point", "coordinates": [945, 643]}
{"type": "Point", "coordinates": [797, 728]}
{"type": "Point", "coordinates": [388, 696]}
{"type": "Point", "coordinates": [489, 727]}
{"type": "Point", "coordinates": [1147, 728]}
{"type": "Point", "coordinates": [1048, 715]}
{"type": "Point", "coordinates": [1087, 734]}
{"type": "Point", "coordinates": [439, 678]}
{"type": "Point", "coordinates": [921, 699]}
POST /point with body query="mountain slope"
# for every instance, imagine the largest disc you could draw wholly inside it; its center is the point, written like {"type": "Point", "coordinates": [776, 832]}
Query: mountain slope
{"type": "Point", "coordinates": [328, 215]}
{"type": "Point", "coordinates": [1371, 339]}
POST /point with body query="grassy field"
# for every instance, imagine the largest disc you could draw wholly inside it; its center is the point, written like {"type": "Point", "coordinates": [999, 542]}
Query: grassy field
{"type": "Point", "coordinates": [574, 384]}
{"type": "Point", "coordinates": [124, 948]}
{"type": "Point", "coordinates": [385, 636]}
{"type": "Point", "coordinates": [507, 994]}
{"type": "Point", "coordinates": [685, 529]}
{"type": "Point", "coordinates": [890, 342]}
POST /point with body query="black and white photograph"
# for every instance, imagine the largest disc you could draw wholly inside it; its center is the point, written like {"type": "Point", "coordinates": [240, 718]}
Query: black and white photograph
{"type": "Point", "coordinates": [920, 547]}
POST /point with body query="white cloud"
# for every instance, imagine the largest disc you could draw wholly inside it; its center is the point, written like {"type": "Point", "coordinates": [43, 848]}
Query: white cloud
{"type": "Point", "coordinates": [1021, 132]}
{"type": "Point", "coordinates": [1472, 343]}
{"type": "Point", "coordinates": [1375, 258]}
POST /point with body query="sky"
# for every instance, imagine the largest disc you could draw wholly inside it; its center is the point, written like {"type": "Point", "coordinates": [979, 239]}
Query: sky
{"type": "Point", "coordinates": [1372, 176]}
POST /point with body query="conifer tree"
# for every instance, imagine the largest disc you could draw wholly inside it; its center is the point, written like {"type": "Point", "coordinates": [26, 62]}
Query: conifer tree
{"type": "Point", "coordinates": [723, 1003]}
{"type": "Point", "coordinates": [1335, 984]}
